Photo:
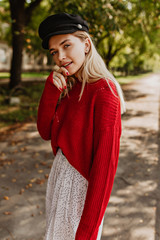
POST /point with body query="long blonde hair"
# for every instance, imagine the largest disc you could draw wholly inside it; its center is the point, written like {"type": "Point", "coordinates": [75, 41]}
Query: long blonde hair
{"type": "Point", "coordinates": [92, 70]}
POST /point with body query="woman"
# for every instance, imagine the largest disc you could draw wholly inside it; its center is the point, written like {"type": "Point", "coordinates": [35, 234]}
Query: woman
{"type": "Point", "coordinates": [80, 112]}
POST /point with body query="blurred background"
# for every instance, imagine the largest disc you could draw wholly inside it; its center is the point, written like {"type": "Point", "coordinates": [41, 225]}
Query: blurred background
{"type": "Point", "coordinates": [125, 32]}
{"type": "Point", "coordinates": [127, 35]}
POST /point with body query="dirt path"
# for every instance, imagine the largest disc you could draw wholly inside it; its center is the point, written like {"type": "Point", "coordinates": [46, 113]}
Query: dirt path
{"type": "Point", "coordinates": [134, 209]}
{"type": "Point", "coordinates": [133, 212]}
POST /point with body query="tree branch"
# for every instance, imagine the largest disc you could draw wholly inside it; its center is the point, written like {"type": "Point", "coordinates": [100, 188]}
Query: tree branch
{"type": "Point", "coordinates": [101, 39]}
{"type": "Point", "coordinates": [30, 8]}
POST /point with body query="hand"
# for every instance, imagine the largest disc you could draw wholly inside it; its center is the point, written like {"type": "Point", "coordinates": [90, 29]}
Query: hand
{"type": "Point", "coordinates": [59, 78]}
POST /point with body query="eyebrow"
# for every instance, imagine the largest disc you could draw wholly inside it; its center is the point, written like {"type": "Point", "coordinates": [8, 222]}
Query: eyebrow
{"type": "Point", "coordinates": [59, 44]}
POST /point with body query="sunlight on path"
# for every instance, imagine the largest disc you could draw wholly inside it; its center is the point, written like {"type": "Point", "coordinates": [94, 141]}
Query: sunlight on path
{"type": "Point", "coordinates": [132, 210]}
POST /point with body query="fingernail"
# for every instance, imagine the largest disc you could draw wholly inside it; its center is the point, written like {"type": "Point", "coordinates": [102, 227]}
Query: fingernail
{"type": "Point", "coordinates": [67, 73]}
{"type": "Point", "coordinates": [60, 89]}
{"type": "Point", "coordinates": [65, 87]}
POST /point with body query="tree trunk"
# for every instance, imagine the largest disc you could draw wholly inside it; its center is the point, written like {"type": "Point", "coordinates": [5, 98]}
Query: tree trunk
{"type": "Point", "coordinates": [16, 62]}
{"type": "Point", "coordinates": [18, 22]}
{"type": "Point", "coordinates": [108, 56]}
{"type": "Point", "coordinates": [20, 16]}
{"type": "Point", "coordinates": [112, 53]}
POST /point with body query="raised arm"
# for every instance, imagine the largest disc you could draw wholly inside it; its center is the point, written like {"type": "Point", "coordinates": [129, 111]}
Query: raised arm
{"type": "Point", "coordinates": [47, 107]}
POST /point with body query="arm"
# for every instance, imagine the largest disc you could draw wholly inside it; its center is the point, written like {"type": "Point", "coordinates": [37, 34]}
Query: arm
{"type": "Point", "coordinates": [105, 158]}
{"type": "Point", "coordinates": [47, 107]}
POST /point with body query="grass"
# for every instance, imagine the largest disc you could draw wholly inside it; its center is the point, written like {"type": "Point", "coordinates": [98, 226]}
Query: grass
{"type": "Point", "coordinates": [29, 96]}
{"type": "Point", "coordinates": [4, 75]}
{"type": "Point", "coordinates": [129, 79]}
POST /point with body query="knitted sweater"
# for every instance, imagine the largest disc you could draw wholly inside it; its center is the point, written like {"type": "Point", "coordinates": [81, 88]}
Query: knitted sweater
{"type": "Point", "coordinates": [88, 132]}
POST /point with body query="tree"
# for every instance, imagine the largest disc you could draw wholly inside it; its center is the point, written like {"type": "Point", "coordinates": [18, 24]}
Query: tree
{"type": "Point", "coordinates": [141, 33]}
{"type": "Point", "coordinates": [21, 12]}
{"type": "Point", "coordinates": [125, 32]}
{"type": "Point", "coordinates": [105, 18]}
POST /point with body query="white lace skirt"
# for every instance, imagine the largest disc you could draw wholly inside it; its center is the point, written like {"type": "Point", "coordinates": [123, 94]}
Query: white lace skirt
{"type": "Point", "coordinates": [65, 198]}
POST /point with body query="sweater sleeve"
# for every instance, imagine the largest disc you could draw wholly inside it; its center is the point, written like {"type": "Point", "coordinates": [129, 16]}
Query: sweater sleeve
{"type": "Point", "coordinates": [47, 107]}
{"type": "Point", "coordinates": [107, 131]}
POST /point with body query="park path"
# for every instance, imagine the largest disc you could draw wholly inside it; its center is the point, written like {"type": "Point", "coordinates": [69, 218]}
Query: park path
{"type": "Point", "coordinates": [133, 212]}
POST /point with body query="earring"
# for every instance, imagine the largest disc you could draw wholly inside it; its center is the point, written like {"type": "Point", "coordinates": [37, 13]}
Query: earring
{"type": "Point", "coordinates": [86, 50]}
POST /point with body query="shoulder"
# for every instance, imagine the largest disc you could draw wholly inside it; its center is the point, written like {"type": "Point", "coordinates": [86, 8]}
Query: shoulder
{"type": "Point", "coordinates": [107, 103]}
{"type": "Point", "coordinates": [106, 89]}
{"type": "Point", "coordinates": [103, 85]}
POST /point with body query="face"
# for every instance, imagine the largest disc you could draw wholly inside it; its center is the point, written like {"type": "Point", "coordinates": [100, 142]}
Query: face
{"type": "Point", "coordinates": [68, 51]}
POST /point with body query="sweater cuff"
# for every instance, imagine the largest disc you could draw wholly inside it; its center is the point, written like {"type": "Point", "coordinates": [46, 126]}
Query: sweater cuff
{"type": "Point", "coordinates": [50, 86]}
{"type": "Point", "coordinates": [50, 78]}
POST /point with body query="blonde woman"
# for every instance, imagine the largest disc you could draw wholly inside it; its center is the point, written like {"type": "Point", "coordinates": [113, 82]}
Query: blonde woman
{"type": "Point", "coordinates": [80, 112]}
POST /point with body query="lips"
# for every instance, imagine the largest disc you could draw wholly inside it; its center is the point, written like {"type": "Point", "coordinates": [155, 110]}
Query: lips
{"type": "Point", "coordinates": [66, 65]}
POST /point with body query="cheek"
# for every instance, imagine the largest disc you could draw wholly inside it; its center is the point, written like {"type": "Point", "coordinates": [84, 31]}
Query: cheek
{"type": "Point", "coordinates": [55, 60]}
{"type": "Point", "coordinates": [80, 55]}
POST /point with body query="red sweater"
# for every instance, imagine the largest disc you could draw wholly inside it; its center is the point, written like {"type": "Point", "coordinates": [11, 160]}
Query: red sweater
{"type": "Point", "coordinates": [88, 132]}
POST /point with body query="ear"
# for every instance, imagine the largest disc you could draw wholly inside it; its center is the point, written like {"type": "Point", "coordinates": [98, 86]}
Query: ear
{"type": "Point", "coordinates": [87, 45]}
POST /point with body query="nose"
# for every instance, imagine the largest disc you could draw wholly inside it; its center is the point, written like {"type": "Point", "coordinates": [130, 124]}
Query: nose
{"type": "Point", "coordinates": [61, 55]}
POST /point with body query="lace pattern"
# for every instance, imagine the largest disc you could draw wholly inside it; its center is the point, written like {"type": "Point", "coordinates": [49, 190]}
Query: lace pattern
{"type": "Point", "coordinates": [65, 198]}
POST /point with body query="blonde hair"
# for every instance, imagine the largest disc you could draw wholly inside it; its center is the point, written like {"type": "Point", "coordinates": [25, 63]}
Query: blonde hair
{"type": "Point", "coordinates": [92, 70]}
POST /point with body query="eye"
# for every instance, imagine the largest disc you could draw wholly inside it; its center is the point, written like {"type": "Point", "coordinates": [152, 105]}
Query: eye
{"type": "Point", "coordinates": [53, 53]}
{"type": "Point", "coordinates": [66, 45]}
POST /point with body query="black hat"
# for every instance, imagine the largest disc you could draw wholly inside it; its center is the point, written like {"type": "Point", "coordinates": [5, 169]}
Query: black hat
{"type": "Point", "coordinates": [62, 23]}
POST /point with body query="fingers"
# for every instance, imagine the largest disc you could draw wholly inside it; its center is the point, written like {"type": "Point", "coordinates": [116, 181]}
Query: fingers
{"type": "Point", "coordinates": [63, 71]}
{"type": "Point", "coordinates": [57, 83]}
{"type": "Point", "coordinates": [59, 80]}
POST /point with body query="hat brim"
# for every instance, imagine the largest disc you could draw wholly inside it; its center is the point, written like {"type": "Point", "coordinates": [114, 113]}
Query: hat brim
{"type": "Point", "coordinates": [46, 39]}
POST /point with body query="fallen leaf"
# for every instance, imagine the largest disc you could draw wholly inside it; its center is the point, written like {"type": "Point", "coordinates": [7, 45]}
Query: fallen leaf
{"type": "Point", "coordinates": [36, 155]}
{"type": "Point", "coordinates": [40, 181]}
{"type": "Point", "coordinates": [32, 180]}
{"type": "Point", "coordinates": [2, 154]}
{"type": "Point", "coordinates": [6, 198]}
{"type": "Point", "coordinates": [36, 165]}
{"type": "Point", "coordinates": [21, 191]}
{"type": "Point", "coordinates": [14, 180]}
{"type": "Point", "coordinates": [40, 171]}
{"type": "Point", "coordinates": [43, 163]}
{"type": "Point", "coordinates": [46, 176]}
{"type": "Point", "coordinates": [23, 149]}
{"type": "Point", "coordinates": [3, 175]}
{"type": "Point", "coordinates": [7, 213]}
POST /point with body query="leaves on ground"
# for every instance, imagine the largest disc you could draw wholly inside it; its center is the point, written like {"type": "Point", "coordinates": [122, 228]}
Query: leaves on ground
{"type": "Point", "coordinates": [6, 198]}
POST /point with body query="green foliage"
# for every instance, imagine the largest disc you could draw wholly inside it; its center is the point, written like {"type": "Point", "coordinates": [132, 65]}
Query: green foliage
{"type": "Point", "coordinates": [29, 96]}
{"type": "Point", "coordinates": [20, 115]}
{"type": "Point", "coordinates": [27, 75]}
{"type": "Point", "coordinates": [5, 22]}
{"type": "Point", "coordinates": [126, 32]}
